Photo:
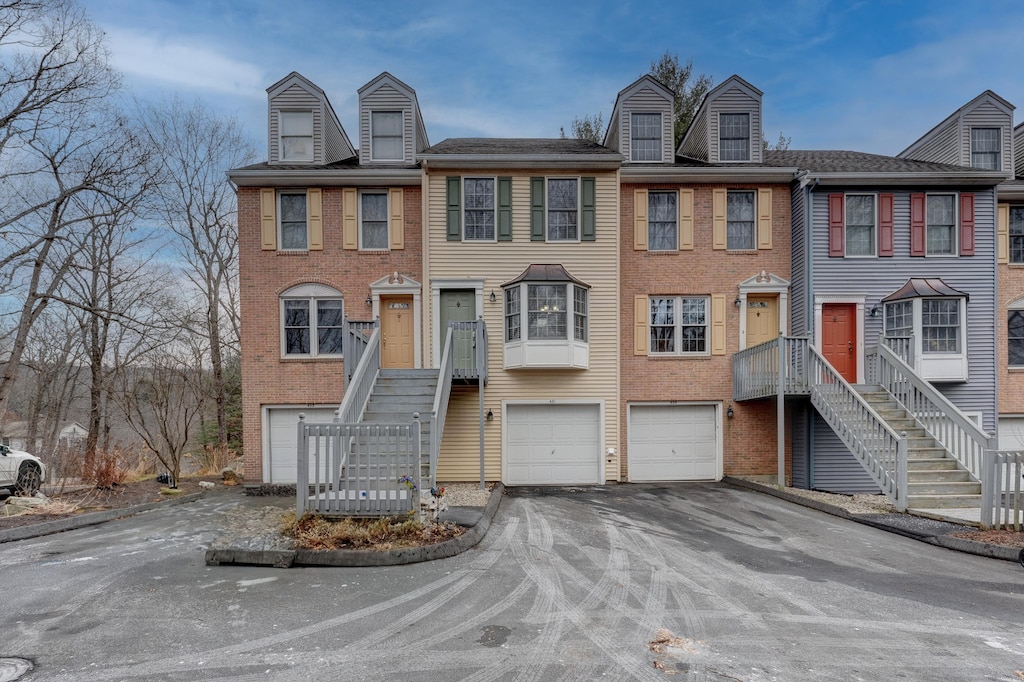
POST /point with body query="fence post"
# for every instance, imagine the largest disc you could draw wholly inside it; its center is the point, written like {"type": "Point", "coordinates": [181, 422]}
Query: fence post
{"type": "Point", "coordinates": [302, 468]}
{"type": "Point", "coordinates": [901, 473]}
{"type": "Point", "coordinates": [780, 411]}
{"type": "Point", "coordinates": [417, 433]}
{"type": "Point", "coordinates": [988, 491]}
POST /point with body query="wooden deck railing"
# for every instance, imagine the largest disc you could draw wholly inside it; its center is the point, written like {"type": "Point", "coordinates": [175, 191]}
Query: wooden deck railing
{"type": "Point", "coordinates": [1002, 498]}
{"type": "Point", "coordinates": [355, 336]}
{"type": "Point", "coordinates": [759, 371]}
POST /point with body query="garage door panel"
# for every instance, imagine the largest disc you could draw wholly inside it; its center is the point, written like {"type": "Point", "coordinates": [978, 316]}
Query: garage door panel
{"type": "Point", "coordinates": [553, 445]}
{"type": "Point", "coordinates": [673, 443]}
{"type": "Point", "coordinates": [283, 440]}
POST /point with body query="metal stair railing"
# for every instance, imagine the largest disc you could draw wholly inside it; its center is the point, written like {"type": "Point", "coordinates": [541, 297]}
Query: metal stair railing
{"type": "Point", "coordinates": [880, 450]}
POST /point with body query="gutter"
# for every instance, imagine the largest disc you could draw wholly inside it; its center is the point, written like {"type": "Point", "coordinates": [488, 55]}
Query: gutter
{"type": "Point", "coordinates": [359, 177]}
{"type": "Point", "coordinates": [855, 179]}
{"type": "Point", "coordinates": [712, 174]}
{"type": "Point", "coordinates": [492, 161]}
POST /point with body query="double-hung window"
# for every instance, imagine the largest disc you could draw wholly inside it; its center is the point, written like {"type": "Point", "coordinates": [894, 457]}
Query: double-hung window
{"type": "Point", "coordinates": [563, 209]}
{"type": "Point", "coordinates": [311, 321]}
{"type": "Point", "coordinates": [293, 224]}
{"type": "Point", "coordinates": [645, 137]}
{"type": "Point", "coordinates": [940, 325]}
{"type": "Point", "coordinates": [985, 148]}
{"type": "Point", "coordinates": [1015, 335]}
{"type": "Point", "coordinates": [734, 137]}
{"type": "Point", "coordinates": [296, 134]}
{"type": "Point", "coordinates": [679, 325]}
{"type": "Point", "coordinates": [373, 220]}
{"type": "Point", "coordinates": [662, 226]}
{"type": "Point", "coordinates": [899, 319]}
{"type": "Point", "coordinates": [941, 225]}
{"type": "Point", "coordinates": [479, 209]}
{"type": "Point", "coordinates": [740, 224]}
{"type": "Point", "coordinates": [1017, 234]}
{"type": "Point", "coordinates": [386, 131]}
{"type": "Point", "coordinates": [861, 225]}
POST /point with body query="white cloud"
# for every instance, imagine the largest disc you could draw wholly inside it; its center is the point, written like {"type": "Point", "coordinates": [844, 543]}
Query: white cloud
{"type": "Point", "coordinates": [184, 62]}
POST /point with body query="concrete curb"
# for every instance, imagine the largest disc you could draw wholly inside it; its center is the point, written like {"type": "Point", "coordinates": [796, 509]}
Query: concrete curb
{"type": "Point", "coordinates": [91, 519]}
{"type": "Point", "coordinates": [984, 549]}
{"type": "Point", "coordinates": [350, 558]}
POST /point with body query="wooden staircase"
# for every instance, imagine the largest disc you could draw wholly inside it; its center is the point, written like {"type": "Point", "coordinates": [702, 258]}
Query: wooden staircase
{"type": "Point", "coordinates": [935, 480]}
{"type": "Point", "coordinates": [397, 395]}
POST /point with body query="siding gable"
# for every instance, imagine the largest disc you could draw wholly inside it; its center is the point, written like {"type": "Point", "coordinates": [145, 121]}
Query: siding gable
{"type": "Point", "coordinates": [387, 93]}
{"type": "Point", "coordinates": [734, 95]}
{"type": "Point", "coordinates": [296, 93]}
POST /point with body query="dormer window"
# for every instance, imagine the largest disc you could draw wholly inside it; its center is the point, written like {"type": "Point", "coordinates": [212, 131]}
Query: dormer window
{"type": "Point", "coordinates": [734, 137]}
{"type": "Point", "coordinates": [386, 136]}
{"type": "Point", "coordinates": [985, 148]}
{"type": "Point", "coordinates": [645, 137]}
{"type": "Point", "coordinates": [296, 135]}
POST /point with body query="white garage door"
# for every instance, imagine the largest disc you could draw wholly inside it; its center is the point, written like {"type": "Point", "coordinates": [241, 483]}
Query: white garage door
{"type": "Point", "coordinates": [282, 441]}
{"type": "Point", "coordinates": [553, 445]}
{"type": "Point", "coordinates": [673, 443]}
{"type": "Point", "coordinates": [1011, 433]}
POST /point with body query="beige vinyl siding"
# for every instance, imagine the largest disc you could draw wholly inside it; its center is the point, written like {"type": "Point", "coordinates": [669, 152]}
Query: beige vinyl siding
{"type": "Point", "coordinates": [735, 101]}
{"type": "Point", "coordinates": [988, 115]}
{"type": "Point", "coordinates": [386, 98]}
{"type": "Point", "coordinates": [296, 98]}
{"type": "Point", "coordinates": [647, 101]}
{"type": "Point", "coordinates": [595, 263]}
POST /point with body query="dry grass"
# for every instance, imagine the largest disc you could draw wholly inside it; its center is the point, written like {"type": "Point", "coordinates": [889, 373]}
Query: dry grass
{"type": "Point", "coordinates": [311, 531]}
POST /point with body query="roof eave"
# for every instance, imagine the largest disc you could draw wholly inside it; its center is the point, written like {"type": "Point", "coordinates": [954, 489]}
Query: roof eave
{"type": "Point", "coordinates": [349, 177]}
{"type": "Point", "coordinates": [908, 178]}
{"type": "Point", "coordinates": [713, 174]}
{"type": "Point", "coordinates": [489, 161]}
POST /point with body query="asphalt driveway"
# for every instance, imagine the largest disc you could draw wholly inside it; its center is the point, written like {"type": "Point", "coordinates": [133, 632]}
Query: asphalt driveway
{"type": "Point", "coordinates": [623, 582]}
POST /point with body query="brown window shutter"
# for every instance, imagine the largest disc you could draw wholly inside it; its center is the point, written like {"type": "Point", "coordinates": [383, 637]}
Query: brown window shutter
{"type": "Point", "coordinates": [718, 222]}
{"type": "Point", "coordinates": [836, 223]}
{"type": "Point", "coordinates": [350, 218]}
{"type": "Point", "coordinates": [917, 227]}
{"type": "Point", "coordinates": [640, 220]}
{"type": "Point", "coordinates": [764, 218]}
{"type": "Point", "coordinates": [641, 310]}
{"type": "Point", "coordinates": [268, 219]}
{"type": "Point", "coordinates": [885, 221]}
{"type": "Point", "coordinates": [718, 324]}
{"type": "Point", "coordinates": [967, 223]}
{"type": "Point", "coordinates": [686, 220]}
{"type": "Point", "coordinates": [396, 205]}
{"type": "Point", "coordinates": [315, 213]}
{"type": "Point", "coordinates": [1003, 233]}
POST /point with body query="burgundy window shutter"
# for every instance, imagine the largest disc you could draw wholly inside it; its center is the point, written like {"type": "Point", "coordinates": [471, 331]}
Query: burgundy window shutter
{"type": "Point", "coordinates": [967, 224]}
{"type": "Point", "coordinates": [917, 204]}
{"type": "Point", "coordinates": [836, 220]}
{"type": "Point", "coordinates": [885, 224]}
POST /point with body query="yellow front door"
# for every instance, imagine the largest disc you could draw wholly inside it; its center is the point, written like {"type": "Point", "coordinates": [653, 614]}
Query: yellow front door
{"type": "Point", "coordinates": [762, 319]}
{"type": "Point", "coordinates": [396, 332]}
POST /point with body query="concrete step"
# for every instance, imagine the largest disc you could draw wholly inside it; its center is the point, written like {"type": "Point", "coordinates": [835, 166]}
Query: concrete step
{"type": "Point", "coordinates": [931, 488]}
{"type": "Point", "coordinates": [943, 501]}
{"type": "Point", "coordinates": [924, 476]}
{"type": "Point", "coordinates": [931, 464]}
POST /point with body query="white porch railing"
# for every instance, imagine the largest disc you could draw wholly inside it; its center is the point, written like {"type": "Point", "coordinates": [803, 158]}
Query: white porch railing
{"type": "Point", "coordinates": [355, 337]}
{"type": "Point", "coordinates": [943, 420]}
{"type": "Point", "coordinates": [441, 397]}
{"type": "Point", "coordinates": [759, 371]}
{"type": "Point", "coordinates": [881, 451]}
{"type": "Point", "coordinates": [1002, 498]}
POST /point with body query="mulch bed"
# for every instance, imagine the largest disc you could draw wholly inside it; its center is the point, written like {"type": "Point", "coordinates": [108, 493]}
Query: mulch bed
{"type": "Point", "coordinates": [120, 496]}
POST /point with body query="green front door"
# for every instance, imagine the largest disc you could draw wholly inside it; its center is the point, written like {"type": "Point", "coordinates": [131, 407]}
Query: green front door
{"type": "Point", "coordinates": [459, 305]}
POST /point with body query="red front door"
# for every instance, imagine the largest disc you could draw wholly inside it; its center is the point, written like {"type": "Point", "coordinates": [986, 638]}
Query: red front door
{"type": "Point", "coordinates": [839, 338]}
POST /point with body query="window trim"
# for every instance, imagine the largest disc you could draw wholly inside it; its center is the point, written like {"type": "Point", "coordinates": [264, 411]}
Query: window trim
{"type": "Point", "coordinates": [387, 222]}
{"type": "Point", "coordinates": [280, 220]}
{"type": "Point", "coordinates": [400, 136]}
{"type": "Point", "coordinates": [677, 327]}
{"type": "Point", "coordinates": [312, 294]}
{"type": "Point", "coordinates": [494, 208]}
{"type": "Point", "coordinates": [955, 250]}
{"type": "Point", "coordinates": [675, 221]}
{"type": "Point", "coordinates": [999, 152]}
{"type": "Point", "coordinates": [660, 138]}
{"type": "Point", "coordinates": [1010, 235]}
{"type": "Point", "coordinates": [281, 136]}
{"type": "Point", "coordinates": [846, 225]}
{"type": "Point", "coordinates": [547, 209]}
{"type": "Point", "coordinates": [749, 138]}
{"type": "Point", "coordinates": [753, 220]}
{"type": "Point", "coordinates": [1018, 308]}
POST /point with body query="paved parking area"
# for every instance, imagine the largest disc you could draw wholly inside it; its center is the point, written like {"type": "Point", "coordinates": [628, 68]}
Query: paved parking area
{"type": "Point", "coordinates": [728, 584]}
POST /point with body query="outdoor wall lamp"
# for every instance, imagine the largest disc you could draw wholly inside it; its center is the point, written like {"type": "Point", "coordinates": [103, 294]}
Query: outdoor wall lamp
{"type": "Point", "coordinates": [369, 300]}
{"type": "Point", "coordinates": [729, 412]}
{"type": "Point", "coordinates": [874, 311]}
{"type": "Point", "coordinates": [493, 297]}
{"type": "Point", "coordinates": [490, 415]}
{"type": "Point", "coordinates": [736, 302]}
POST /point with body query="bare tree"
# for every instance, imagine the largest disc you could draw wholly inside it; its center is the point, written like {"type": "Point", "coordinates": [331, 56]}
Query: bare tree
{"type": "Point", "coordinates": [198, 207]}
{"type": "Point", "coordinates": [780, 145]}
{"type": "Point", "coordinates": [590, 127]}
{"type": "Point", "coordinates": [688, 93]}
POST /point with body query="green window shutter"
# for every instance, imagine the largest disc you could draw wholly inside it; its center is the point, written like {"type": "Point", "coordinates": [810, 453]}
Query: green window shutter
{"type": "Point", "coordinates": [588, 223]}
{"type": "Point", "coordinates": [504, 209]}
{"type": "Point", "coordinates": [537, 209]}
{"type": "Point", "coordinates": [454, 209]}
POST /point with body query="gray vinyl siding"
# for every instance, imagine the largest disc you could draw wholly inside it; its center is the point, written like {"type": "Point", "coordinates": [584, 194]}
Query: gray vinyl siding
{"type": "Point", "coordinates": [647, 101]}
{"type": "Point", "coordinates": [296, 98]}
{"type": "Point", "coordinates": [941, 146]}
{"type": "Point", "coordinates": [988, 115]}
{"type": "Point", "coordinates": [335, 147]}
{"type": "Point", "coordinates": [735, 101]}
{"type": "Point", "coordinates": [799, 411]}
{"type": "Point", "coordinates": [1018, 165]}
{"type": "Point", "coordinates": [834, 468]}
{"type": "Point", "coordinates": [798, 265]}
{"type": "Point", "coordinates": [386, 98]}
{"type": "Point", "coordinates": [696, 144]}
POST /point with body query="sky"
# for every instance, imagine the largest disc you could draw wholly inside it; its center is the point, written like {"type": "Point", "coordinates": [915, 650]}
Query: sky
{"type": "Point", "coordinates": [866, 76]}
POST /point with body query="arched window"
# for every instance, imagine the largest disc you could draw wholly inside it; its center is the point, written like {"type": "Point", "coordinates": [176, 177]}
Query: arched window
{"type": "Point", "coordinates": [311, 321]}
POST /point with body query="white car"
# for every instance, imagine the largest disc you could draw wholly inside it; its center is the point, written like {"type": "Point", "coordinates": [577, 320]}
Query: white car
{"type": "Point", "coordinates": [21, 472]}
